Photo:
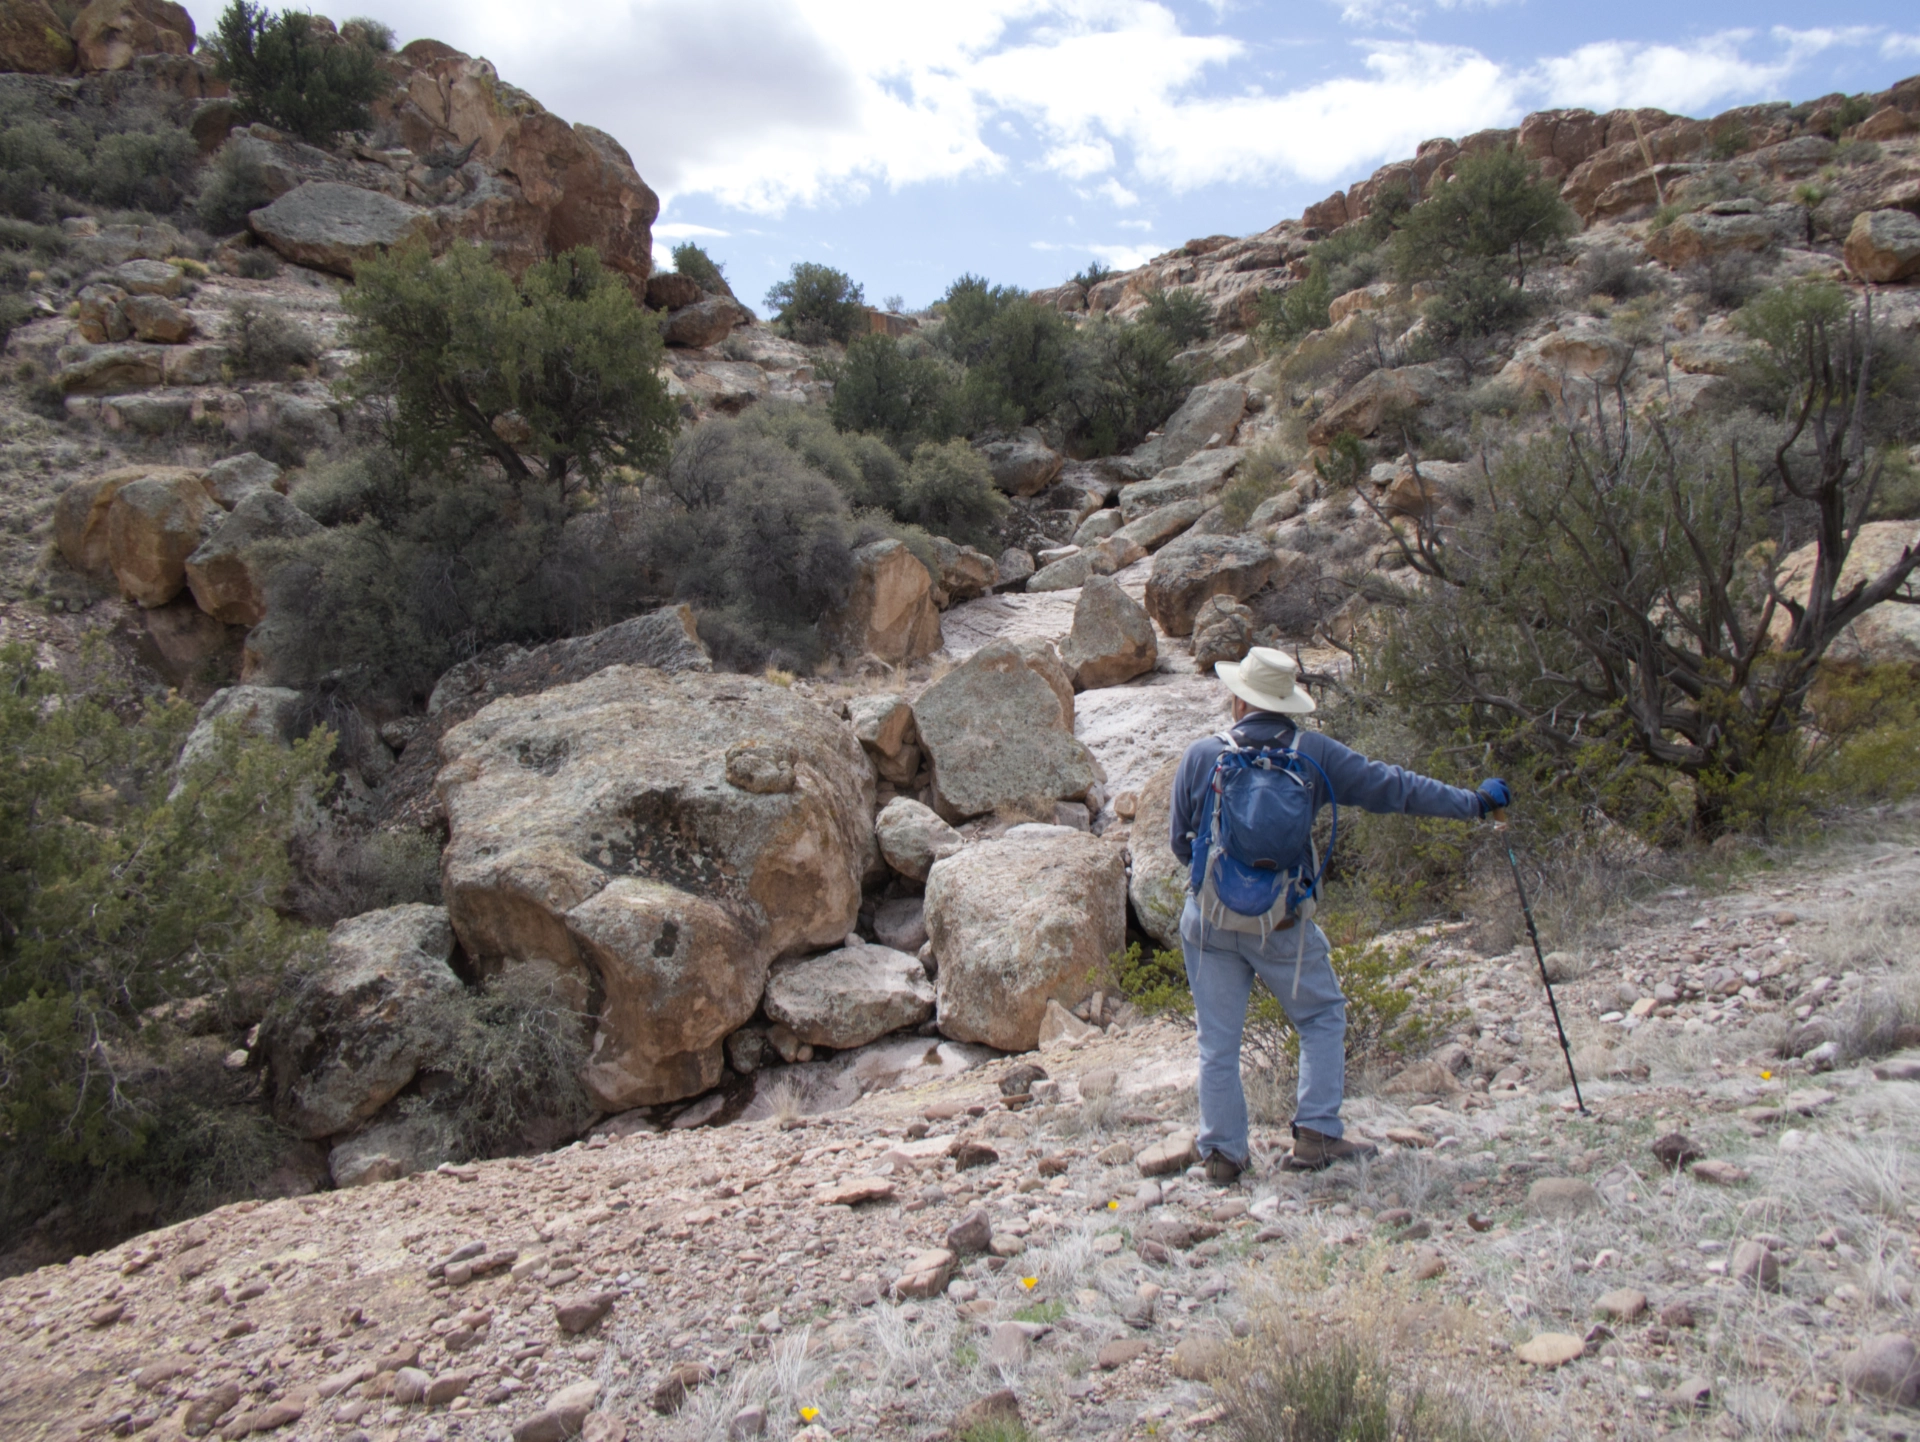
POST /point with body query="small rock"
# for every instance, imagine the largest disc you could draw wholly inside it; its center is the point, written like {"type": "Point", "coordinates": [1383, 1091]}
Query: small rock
{"type": "Point", "coordinates": [1550, 1349]}
{"type": "Point", "coordinates": [1623, 1304]}
{"type": "Point", "coordinates": [1904, 1069]}
{"type": "Point", "coordinates": [410, 1386]}
{"type": "Point", "coordinates": [671, 1395]}
{"type": "Point", "coordinates": [1200, 1359]}
{"type": "Point", "coordinates": [445, 1388]}
{"type": "Point", "coordinates": [854, 1190]}
{"type": "Point", "coordinates": [925, 1275]}
{"type": "Point", "coordinates": [1008, 1346]}
{"type": "Point", "coordinates": [972, 1233]}
{"type": "Point", "coordinates": [1886, 1367]}
{"type": "Point", "coordinates": [1116, 1154]}
{"type": "Point", "coordinates": [996, 1407]}
{"type": "Point", "coordinates": [576, 1314]}
{"type": "Point", "coordinates": [1119, 1353]}
{"type": "Point", "coordinates": [1100, 1082]}
{"type": "Point", "coordinates": [603, 1427]}
{"type": "Point", "coordinates": [1693, 1394]}
{"type": "Point", "coordinates": [1428, 1264]}
{"type": "Point", "coordinates": [1677, 1313]}
{"type": "Point", "coordinates": [747, 1423]}
{"type": "Point", "coordinates": [1175, 1153]}
{"type": "Point", "coordinates": [1561, 1198]}
{"type": "Point", "coordinates": [270, 1418]}
{"type": "Point", "coordinates": [1676, 1150]}
{"type": "Point", "coordinates": [1007, 1245]}
{"type": "Point", "coordinates": [1754, 1262]}
{"type": "Point", "coordinates": [967, 1155]}
{"type": "Point", "coordinates": [1720, 1174]}
{"type": "Point", "coordinates": [1019, 1080]}
{"type": "Point", "coordinates": [1139, 1312]}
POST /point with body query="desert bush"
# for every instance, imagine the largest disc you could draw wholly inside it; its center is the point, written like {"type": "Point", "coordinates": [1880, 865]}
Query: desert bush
{"type": "Point", "coordinates": [692, 261]}
{"type": "Point", "coordinates": [140, 921]}
{"type": "Point", "coordinates": [1016, 355]}
{"type": "Point", "coordinates": [1183, 314]}
{"type": "Point", "coordinates": [1726, 281]}
{"type": "Point", "coordinates": [376, 35]}
{"type": "Point", "coordinates": [1497, 207]}
{"type": "Point", "coordinates": [125, 155]}
{"type": "Point", "coordinates": [266, 344]}
{"type": "Point", "coordinates": [1092, 274]}
{"type": "Point", "coordinates": [1613, 270]}
{"type": "Point", "coordinates": [552, 379]}
{"type": "Point", "coordinates": [1476, 300]}
{"type": "Point", "coordinates": [950, 492]}
{"type": "Point", "coordinates": [1260, 476]}
{"type": "Point", "coordinates": [901, 397]}
{"type": "Point", "coordinates": [257, 263]}
{"type": "Point", "coordinates": [870, 473]}
{"type": "Point", "coordinates": [1608, 615]}
{"type": "Point", "coordinates": [296, 78]}
{"type": "Point", "coordinates": [339, 870]}
{"type": "Point", "coordinates": [232, 185]}
{"type": "Point", "coordinates": [1287, 315]}
{"type": "Point", "coordinates": [817, 303]}
{"type": "Point", "coordinates": [506, 1064]}
{"type": "Point", "coordinates": [1122, 383]}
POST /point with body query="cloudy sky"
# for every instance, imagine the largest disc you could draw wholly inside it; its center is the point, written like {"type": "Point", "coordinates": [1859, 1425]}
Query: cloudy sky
{"type": "Point", "coordinates": [907, 143]}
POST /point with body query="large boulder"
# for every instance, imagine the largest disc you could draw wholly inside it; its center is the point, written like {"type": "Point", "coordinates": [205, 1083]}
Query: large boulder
{"type": "Point", "coordinates": [1198, 478]}
{"type": "Point", "coordinates": [337, 227]}
{"type": "Point", "coordinates": [1378, 395]}
{"type": "Point", "coordinates": [1195, 567]}
{"type": "Point", "coordinates": [1223, 630]}
{"type": "Point", "coordinates": [1024, 465]}
{"type": "Point", "coordinates": [849, 997]}
{"type": "Point", "coordinates": [998, 736]}
{"type": "Point", "coordinates": [706, 322]}
{"type": "Point", "coordinates": [1019, 922]}
{"type": "Point", "coordinates": [1209, 411]}
{"type": "Point", "coordinates": [1157, 885]}
{"type": "Point", "coordinates": [388, 1151]}
{"type": "Point", "coordinates": [1890, 632]}
{"type": "Point", "coordinates": [33, 39]}
{"type": "Point", "coordinates": [226, 572]}
{"type": "Point", "coordinates": [660, 839]}
{"type": "Point", "coordinates": [153, 525]}
{"type": "Point", "coordinates": [532, 185]}
{"type": "Point", "coordinates": [1154, 529]}
{"type": "Point", "coordinates": [112, 34]}
{"type": "Point", "coordinates": [1716, 231]}
{"type": "Point", "coordinates": [80, 517]}
{"type": "Point", "coordinates": [361, 1026]}
{"type": "Point", "coordinates": [890, 613]}
{"type": "Point", "coordinates": [231, 481]}
{"type": "Point", "coordinates": [912, 837]}
{"type": "Point", "coordinates": [1112, 638]}
{"type": "Point", "coordinates": [267, 712]}
{"type": "Point", "coordinates": [1884, 246]}
{"type": "Point", "coordinates": [965, 573]}
{"type": "Point", "coordinates": [1583, 358]}
{"type": "Point", "coordinates": [670, 290]}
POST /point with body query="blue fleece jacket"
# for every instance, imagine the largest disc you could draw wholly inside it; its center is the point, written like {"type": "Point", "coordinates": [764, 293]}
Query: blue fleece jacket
{"type": "Point", "coordinates": [1369, 785]}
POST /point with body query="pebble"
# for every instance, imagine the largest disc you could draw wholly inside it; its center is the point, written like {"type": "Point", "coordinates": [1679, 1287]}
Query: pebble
{"type": "Point", "coordinates": [1623, 1304]}
{"type": "Point", "coordinates": [1550, 1349]}
{"type": "Point", "coordinates": [1561, 1198]}
{"type": "Point", "coordinates": [1885, 1367]}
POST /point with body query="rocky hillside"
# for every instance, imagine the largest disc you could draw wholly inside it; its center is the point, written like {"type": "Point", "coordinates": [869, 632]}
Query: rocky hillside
{"type": "Point", "coordinates": [796, 926]}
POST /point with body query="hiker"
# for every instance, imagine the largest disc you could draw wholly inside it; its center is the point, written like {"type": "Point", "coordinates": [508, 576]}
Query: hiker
{"type": "Point", "coordinates": [1243, 918]}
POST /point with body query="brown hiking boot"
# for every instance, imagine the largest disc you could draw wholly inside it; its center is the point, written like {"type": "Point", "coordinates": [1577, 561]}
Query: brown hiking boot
{"type": "Point", "coordinates": [1314, 1151]}
{"type": "Point", "coordinates": [1222, 1170]}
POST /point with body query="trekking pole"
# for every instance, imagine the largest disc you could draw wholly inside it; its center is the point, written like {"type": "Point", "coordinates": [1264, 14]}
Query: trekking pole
{"type": "Point", "coordinates": [1526, 909]}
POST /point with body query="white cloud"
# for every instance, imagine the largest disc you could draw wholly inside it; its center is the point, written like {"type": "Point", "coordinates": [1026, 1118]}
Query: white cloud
{"type": "Point", "coordinates": [1620, 74]}
{"type": "Point", "coordinates": [1899, 47]}
{"type": "Point", "coordinates": [684, 230]}
{"type": "Point", "coordinates": [1116, 194]}
{"type": "Point", "coordinates": [1120, 257]}
{"type": "Point", "coordinates": [1080, 158]}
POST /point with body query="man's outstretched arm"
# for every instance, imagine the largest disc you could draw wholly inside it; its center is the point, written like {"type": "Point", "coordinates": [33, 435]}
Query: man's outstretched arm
{"type": "Point", "coordinates": [1369, 785]}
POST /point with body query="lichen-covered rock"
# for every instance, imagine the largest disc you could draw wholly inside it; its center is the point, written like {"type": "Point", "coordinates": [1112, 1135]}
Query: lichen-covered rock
{"type": "Point", "coordinates": [34, 40]}
{"type": "Point", "coordinates": [884, 726]}
{"type": "Point", "coordinates": [226, 572]}
{"type": "Point", "coordinates": [849, 996]}
{"type": "Point", "coordinates": [706, 322]}
{"type": "Point", "coordinates": [594, 827]}
{"type": "Point", "coordinates": [1018, 922]}
{"type": "Point", "coordinates": [1023, 465]}
{"type": "Point", "coordinates": [80, 517]}
{"type": "Point", "coordinates": [231, 481]}
{"type": "Point", "coordinates": [388, 1151]}
{"type": "Point", "coordinates": [1884, 246]}
{"type": "Point", "coordinates": [112, 34]}
{"type": "Point", "coordinates": [1112, 638]}
{"type": "Point", "coordinates": [1361, 410]}
{"type": "Point", "coordinates": [1210, 410]}
{"type": "Point", "coordinates": [357, 1031]}
{"type": "Point", "coordinates": [1188, 571]}
{"type": "Point", "coordinates": [890, 613]}
{"type": "Point", "coordinates": [1890, 632]}
{"type": "Point", "coordinates": [153, 524]}
{"type": "Point", "coordinates": [999, 737]}
{"type": "Point", "coordinates": [337, 227]}
{"type": "Point", "coordinates": [965, 573]}
{"type": "Point", "coordinates": [1223, 630]}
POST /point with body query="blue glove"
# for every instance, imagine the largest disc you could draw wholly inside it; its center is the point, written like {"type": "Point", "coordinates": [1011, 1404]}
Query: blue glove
{"type": "Point", "coordinates": [1495, 795]}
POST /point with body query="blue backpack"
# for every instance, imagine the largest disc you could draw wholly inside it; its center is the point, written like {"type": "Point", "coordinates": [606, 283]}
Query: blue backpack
{"type": "Point", "coordinates": [1254, 862]}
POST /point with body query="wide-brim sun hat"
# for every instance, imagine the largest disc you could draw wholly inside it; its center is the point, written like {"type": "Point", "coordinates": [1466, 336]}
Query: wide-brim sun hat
{"type": "Point", "coordinates": [1268, 680]}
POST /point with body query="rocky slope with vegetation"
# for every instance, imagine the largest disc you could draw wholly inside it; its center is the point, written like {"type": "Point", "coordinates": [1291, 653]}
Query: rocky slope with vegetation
{"type": "Point", "coordinates": [478, 695]}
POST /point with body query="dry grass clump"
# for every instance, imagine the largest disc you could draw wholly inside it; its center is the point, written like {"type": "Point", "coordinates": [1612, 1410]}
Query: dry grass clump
{"type": "Point", "coordinates": [1363, 1364]}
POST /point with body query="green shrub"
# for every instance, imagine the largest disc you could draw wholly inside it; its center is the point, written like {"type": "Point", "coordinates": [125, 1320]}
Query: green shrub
{"type": "Point", "coordinates": [1345, 464]}
{"type": "Point", "coordinates": [119, 155]}
{"type": "Point", "coordinates": [1094, 272]}
{"type": "Point", "coordinates": [1183, 314]}
{"type": "Point", "coordinates": [1122, 383]}
{"type": "Point", "coordinates": [950, 491]}
{"type": "Point", "coordinates": [1613, 270]}
{"type": "Point", "coordinates": [1496, 209]}
{"type": "Point", "coordinates": [1851, 111]}
{"type": "Point", "coordinates": [870, 473]}
{"type": "Point", "coordinates": [564, 362]}
{"type": "Point", "coordinates": [294, 77]}
{"type": "Point", "coordinates": [376, 35]}
{"type": "Point", "coordinates": [817, 303]}
{"type": "Point", "coordinates": [1287, 315]}
{"type": "Point", "coordinates": [1260, 476]}
{"type": "Point", "coordinates": [1017, 355]}
{"type": "Point", "coordinates": [692, 261]}
{"type": "Point", "coordinates": [233, 186]}
{"type": "Point", "coordinates": [1476, 299]}
{"type": "Point", "coordinates": [257, 262]}
{"type": "Point", "coordinates": [140, 919]}
{"type": "Point", "coordinates": [340, 871]}
{"type": "Point", "coordinates": [901, 397]}
{"type": "Point", "coordinates": [264, 343]}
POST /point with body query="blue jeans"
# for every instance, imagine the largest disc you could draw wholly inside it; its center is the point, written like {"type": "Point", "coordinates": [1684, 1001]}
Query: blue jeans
{"type": "Point", "coordinates": [1221, 975]}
